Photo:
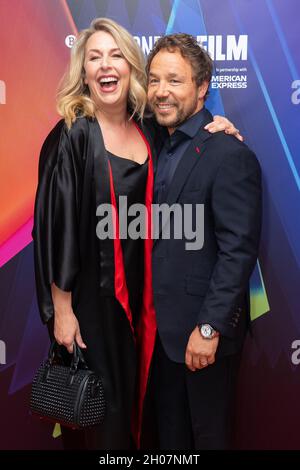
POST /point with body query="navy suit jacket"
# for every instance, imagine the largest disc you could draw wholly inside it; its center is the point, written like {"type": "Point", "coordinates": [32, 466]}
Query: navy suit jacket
{"type": "Point", "coordinates": [210, 285]}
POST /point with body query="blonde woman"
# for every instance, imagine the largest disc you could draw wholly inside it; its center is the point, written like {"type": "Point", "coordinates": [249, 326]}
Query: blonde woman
{"type": "Point", "coordinates": [98, 291]}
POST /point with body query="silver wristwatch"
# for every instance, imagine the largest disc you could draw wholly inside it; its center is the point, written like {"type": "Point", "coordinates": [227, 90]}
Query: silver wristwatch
{"type": "Point", "coordinates": [207, 331]}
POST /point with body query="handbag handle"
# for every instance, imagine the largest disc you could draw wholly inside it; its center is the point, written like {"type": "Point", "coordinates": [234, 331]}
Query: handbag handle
{"type": "Point", "coordinates": [76, 360]}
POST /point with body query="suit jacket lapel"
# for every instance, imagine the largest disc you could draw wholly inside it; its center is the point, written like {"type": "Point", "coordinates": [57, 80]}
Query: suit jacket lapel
{"type": "Point", "coordinates": [189, 160]}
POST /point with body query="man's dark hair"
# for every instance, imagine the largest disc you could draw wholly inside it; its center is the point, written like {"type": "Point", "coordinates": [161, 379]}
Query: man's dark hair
{"type": "Point", "coordinates": [200, 61]}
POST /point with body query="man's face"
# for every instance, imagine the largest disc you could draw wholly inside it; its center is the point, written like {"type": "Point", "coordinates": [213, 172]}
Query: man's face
{"type": "Point", "coordinates": [173, 95]}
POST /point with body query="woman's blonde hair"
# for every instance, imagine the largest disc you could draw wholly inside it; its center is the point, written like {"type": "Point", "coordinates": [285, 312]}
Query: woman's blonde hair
{"type": "Point", "coordinates": [73, 97]}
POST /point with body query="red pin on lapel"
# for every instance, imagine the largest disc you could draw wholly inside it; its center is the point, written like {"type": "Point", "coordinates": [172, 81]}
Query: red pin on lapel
{"type": "Point", "coordinates": [197, 150]}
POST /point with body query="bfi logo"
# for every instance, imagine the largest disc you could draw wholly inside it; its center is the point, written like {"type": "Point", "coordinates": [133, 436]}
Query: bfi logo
{"type": "Point", "coordinates": [2, 92]}
{"type": "Point", "coordinates": [2, 352]}
{"type": "Point", "coordinates": [69, 40]}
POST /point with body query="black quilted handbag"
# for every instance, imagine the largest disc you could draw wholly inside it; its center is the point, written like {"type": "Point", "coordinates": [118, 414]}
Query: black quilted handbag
{"type": "Point", "coordinates": [72, 396]}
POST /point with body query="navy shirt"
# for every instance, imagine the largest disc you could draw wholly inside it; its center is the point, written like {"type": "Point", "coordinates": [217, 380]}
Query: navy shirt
{"type": "Point", "coordinates": [174, 148]}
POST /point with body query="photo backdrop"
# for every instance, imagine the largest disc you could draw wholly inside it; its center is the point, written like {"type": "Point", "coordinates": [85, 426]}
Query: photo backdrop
{"type": "Point", "coordinates": [256, 84]}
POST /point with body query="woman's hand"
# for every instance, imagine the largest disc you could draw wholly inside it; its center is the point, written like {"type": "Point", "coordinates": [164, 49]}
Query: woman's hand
{"type": "Point", "coordinates": [66, 326]}
{"type": "Point", "coordinates": [221, 123]}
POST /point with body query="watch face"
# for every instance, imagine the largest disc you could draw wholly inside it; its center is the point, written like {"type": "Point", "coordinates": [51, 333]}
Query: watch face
{"type": "Point", "coordinates": [206, 331]}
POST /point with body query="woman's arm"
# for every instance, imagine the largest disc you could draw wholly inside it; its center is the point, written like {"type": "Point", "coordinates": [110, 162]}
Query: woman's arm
{"type": "Point", "coordinates": [66, 326]}
{"type": "Point", "coordinates": [55, 231]}
{"type": "Point", "coordinates": [221, 123]}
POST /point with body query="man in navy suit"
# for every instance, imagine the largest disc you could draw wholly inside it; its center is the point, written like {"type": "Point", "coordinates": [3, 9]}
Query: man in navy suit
{"type": "Point", "coordinates": [200, 295]}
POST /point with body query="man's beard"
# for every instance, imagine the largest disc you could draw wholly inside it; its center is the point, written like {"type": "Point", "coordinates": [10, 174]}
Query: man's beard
{"type": "Point", "coordinates": [181, 115]}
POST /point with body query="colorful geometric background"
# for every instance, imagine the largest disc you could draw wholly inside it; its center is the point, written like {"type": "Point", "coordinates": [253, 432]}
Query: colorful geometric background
{"type": "Point", "coordinates": [34, 53]}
